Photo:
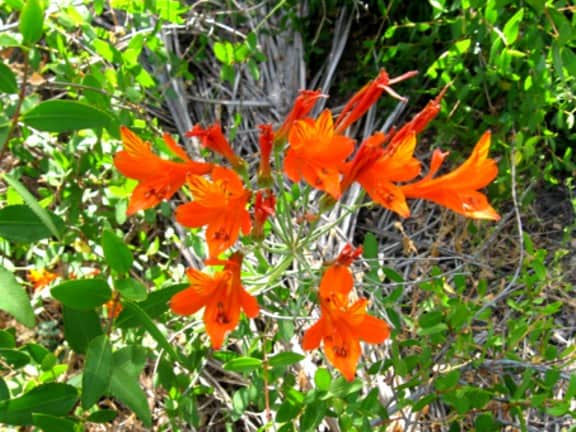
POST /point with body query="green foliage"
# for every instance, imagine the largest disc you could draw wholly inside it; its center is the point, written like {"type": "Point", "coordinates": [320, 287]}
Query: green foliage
{"type": "Point", "coordinates": [475, 339]}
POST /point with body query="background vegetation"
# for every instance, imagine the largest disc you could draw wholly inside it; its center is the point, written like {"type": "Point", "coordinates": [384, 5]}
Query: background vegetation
{"type": "Point", "coordinates": [483, 314]}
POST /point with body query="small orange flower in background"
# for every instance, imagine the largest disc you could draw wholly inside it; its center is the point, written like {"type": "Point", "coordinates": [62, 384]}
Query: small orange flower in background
{"type": "Point", "coordinates": [113, 309]}
{"type": "Point", "coordinates": [303, 104]}
{"type": "Point", "coordinates": [40, 278]}
{"type": "Point", "coordinates": [219, 204]}
{"type": "Point", "coordinates": [458, 190]}
{"type": "Point", "coordinates": [342, 326]}
{"type": "Point", "coordinates": [213, 139]}
{"type": "Point", "coordinates": [317, 153]}
{"type": "Point", "coordinates": [222, 295]}
{"type": "Point", "coordinates": [158, 178]}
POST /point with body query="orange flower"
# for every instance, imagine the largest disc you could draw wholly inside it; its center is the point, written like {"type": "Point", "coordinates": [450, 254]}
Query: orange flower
{"type": "Point", "coordinates": [222, 295]}
{"type": "Point", "coordinates": [367, 96]}
{"type": "Point", "coordinates": [376, 168]}
{"type": "Point", "coordinates": [213, 139]}
{"type": "Point", "coordinates": [221, 205]}
{"type": "Point", "coordinates": [265, 170]}
{"type": "Point", "coordinates": [341, 326]}
{"type": "Point", "coordinates": [158, 178]}
{"type": "Point", "coordinates": [113, 308]}
{"type": "Point", "coordinates": [303, 104]}
{"type": "Point", "coordinates": [317, 153]}
{"type": "Point", "coordinates": [263, 208]}
{"type": "Point", "coordinates": [458, 190]}
{"type": "Point", "coordinates": [40, 278]}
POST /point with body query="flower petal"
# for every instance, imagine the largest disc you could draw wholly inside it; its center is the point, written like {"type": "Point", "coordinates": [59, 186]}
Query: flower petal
{"type": "Point", "coordinates": [313, 336]}
{"type": "Point", "coordinates": [187, 302]}
{"type": "Point", "coordinates": [372, 330]}
{"type": "Point", "coordinates": [249, 304]}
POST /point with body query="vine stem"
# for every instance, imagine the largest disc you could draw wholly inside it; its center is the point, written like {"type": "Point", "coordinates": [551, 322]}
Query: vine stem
{"type": "Point", "coordinates": [16, 115]}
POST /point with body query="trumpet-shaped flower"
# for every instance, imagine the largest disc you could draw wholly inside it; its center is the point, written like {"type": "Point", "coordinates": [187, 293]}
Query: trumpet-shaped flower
{"type": "Point", "coordinates": [317, 153]}
{"type": "Point", "coordinates": [158, 178]}
{"type": "Point", "coordinates": [303, 104]}
{"type": "Point", "coordinates": [342, 326]}
{"type": "Point", "coordinates": [219, 204]}
{"type": "Point", "coordinates": [264, 207]}
{"type": "Point", "coordinates": [377, 168]}
{"type": "Point", "coordinates": [458, 190]}
{"type": "Point", "coordinates": [265, 170]}
{"type": "Point", "coordinates": [213, 139]}
{"type": "Point", "coordinates": [367, 96]}
{"type": "Point", "coordinates": [221, 295]}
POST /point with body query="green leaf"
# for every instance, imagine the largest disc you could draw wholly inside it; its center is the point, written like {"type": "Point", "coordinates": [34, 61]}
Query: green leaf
{"type": "Point", "coordinates": [83, 294]}
{"type": "Point", "coordinates": [127, 389]}
{"type": "Point", "coordinates": [65, 116]}
{"type": "Point", "coordinates": [53, 398]}
{"type": "Point", "coordinates": [8, 82]}
{"type": "Point", "coordinates": [287, 411]}
{"type": "Point", "coordinates": [50, 423]}
{"type": "Point", "coordinates": [512, 27]}
{"type": "Point", "coordinates": [243, 364]}
{"type": "Point", "coordinates": [131, 289]}
{"type": "Point", "coordinates": [31, 202]}
{"type": "Point", "coordinates": [31, 21]}
{"type": "Point", "coordinates": [447, 381]}
{"type": "Point", "coordinates": [220, 52]}
{"type": "Point", "coordinates": [14, 300]}
{"type": "Point", "coordinates": [147, 323]}
{"type": "Point", "coordinates": [322, 379]}
{"type": "Point", "coordinates": [154, 306]}
{"type": "Point", "coordinates": [19, 223]}
{"type": "Point", "coordinates": [80, 327]}
{"type": "Point", "coordinates": [16, 359]}
{"type": "Point", "coordinates": [116, 253]}
{"type": "Point", "coordinates": [102, 416]}
{"type": "Point", "coordinates": [4, 391]}
{"type": "Point", "coordinates": [97, 370]}
{"type": "Point", "coordinates": [312, 416]}
{"type": "Point", "coordinates": [284, 359]}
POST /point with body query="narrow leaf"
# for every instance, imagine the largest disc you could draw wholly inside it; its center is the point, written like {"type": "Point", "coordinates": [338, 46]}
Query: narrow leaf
{"type": "Point", "coordinates": [127, 389]}
{"type": "Point", "coordinates": [149, 325]}
{"type": "Point", "coordinates": [84, 294]}
{"type": "Point", "coordinates": [14, 300]}
{"type": "Point", "coordinates": [97, 370]}
{"type": "Point", "coordinates": [65, 116]}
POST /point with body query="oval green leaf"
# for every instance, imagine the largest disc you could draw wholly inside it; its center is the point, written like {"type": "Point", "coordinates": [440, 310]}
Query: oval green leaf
{"type": "Point", "coordinates": [243, 364]}
{"type": "Point", "coordinates": [19, 223]}
{"type": "Point", "coordinates": [65, 116]}
{"type": "Point", "coordinates": [116, 253]}
{"type": "Point", "coordinates": [83, 294]}
{"type": "Point", "coordinates": [80, 327]}
{"type": "Point", "coordinates": [31, 21]}
{"type": "Point", "coordinates": [49, 423]}
{"type": "Point", "coordinates": [14, 300]}
{"type": "Point", "coordinates": [131, 289]}
{"type": "Point", "coordinates": [53, 398]}
{"type": "Point", "coordinates": [102, 416]}
{"type": "Point", "coordinates": [285, 359]}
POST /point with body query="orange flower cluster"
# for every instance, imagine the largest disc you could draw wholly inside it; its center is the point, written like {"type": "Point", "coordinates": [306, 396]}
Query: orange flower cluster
{"type": "Point", "coordinates": [40, 278]}
{"type": "Point", "coordinates": [316, 151]}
